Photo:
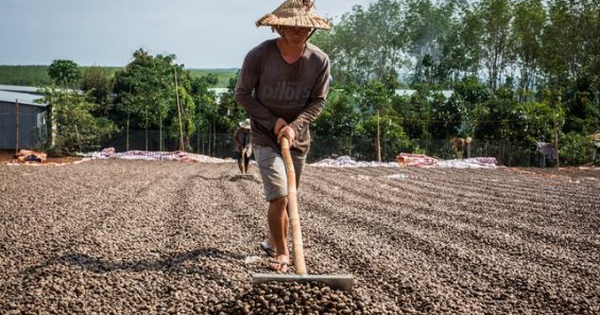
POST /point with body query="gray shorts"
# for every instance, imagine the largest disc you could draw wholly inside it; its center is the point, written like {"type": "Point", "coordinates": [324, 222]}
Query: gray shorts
{"type": "Point", "coordinates": [272, 170]}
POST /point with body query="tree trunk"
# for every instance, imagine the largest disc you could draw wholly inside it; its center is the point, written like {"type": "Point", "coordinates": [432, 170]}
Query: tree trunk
{"type": "Point", "coordinates": [181, 144]}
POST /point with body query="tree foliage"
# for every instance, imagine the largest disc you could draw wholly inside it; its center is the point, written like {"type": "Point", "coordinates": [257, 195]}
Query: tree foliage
{"type": "Point", "coordinates": [65, 73]}
{"type": "Point", "coordinates": [147, 94]}
{"type": "Point", "coordinates": [76, 129]}
{"type": "Point", "coordinates": [517, 71]}
{"type": "Point", "coordinates": [98, 83]}
{"type": "Point", "coordinates": [520, 71]}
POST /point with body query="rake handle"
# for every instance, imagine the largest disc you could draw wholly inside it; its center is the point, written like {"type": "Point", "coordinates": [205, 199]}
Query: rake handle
{"type": "Point", "coordinates": [294, 218]}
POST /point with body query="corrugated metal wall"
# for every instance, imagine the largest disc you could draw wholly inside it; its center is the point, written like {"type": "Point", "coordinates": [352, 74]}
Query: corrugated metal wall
{"type": "Point", "coordinates": [30, 124]}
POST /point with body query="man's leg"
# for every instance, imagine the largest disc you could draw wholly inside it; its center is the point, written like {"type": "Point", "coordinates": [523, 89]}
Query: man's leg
{"type": "Point", "coordinates": [299, 162]}
{"type": "Point", "coordinates": [246, 162]}
{"type": "Point", "coordinates": [278, 227]}
{"type": "Point", "coordinates": [272, 171]}
{"type": "Point", "coordinates": [238, 157]}
{"type": "Point", "coordinates": [278, 216]}
{"type": "Point", "coordinates": [240, 165]}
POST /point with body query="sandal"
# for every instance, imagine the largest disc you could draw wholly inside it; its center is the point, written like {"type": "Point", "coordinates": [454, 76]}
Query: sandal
{"type": "Point", "coordinates": [283, 265]}
{"type": "Point", "coordinates": [266, 247]}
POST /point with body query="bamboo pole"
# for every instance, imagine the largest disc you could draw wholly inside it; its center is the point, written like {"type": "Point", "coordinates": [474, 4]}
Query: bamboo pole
{"type": "Point", "coordinates": [294, 218]}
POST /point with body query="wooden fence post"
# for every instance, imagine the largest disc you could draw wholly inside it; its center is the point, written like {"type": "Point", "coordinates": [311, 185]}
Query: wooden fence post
{"type": "Point", "coordinates": [17, 127]}
{"type": "Point", "coordinates": [378, 140]}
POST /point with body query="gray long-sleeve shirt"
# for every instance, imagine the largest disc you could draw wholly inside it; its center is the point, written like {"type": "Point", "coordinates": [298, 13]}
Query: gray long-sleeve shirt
{"type": "Point", "coordinates": [269, 88]}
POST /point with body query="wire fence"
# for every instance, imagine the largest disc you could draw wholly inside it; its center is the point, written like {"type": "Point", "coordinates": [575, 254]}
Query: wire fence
{"type": "Point", "coordinates": [506, 153]}
{"type": "Point", "coordinates": [215, 145]}
{"type": "Point", "coordinates": [359, 148]}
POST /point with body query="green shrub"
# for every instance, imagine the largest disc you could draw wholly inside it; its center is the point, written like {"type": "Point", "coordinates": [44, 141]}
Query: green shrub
{"type": "Point", "coordinates": [576, 149]}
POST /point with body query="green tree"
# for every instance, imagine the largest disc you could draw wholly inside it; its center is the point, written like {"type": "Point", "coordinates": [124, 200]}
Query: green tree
{"type": "Point", "coordinates": [187, 120]}
{"type": "Point", "coordinates": [98, 83]}
{"type": "Point", "coordinates": [393, 138]}
{"type": "Point", "coordinates": [470, 98]}
{"type": "Point", "coordinates": [445, 117]}
{"type": "Point", "coordinates": [498, 118]}
{"type": "Point", "coordinates": [207, 110]}
{"type": "Point", "coordinates": [367, 43]}
{"type": "Point", "coordinates": [339, 117]}
{"type": "Point", "coordinates": [576, 149]}
{"type": "Point", "coordinates": [559, 45]}
{"type": "Point", "coordinates": [496, 17]}
{"type": "Point", "coordinates": [537, 118]}
{"type": "Point", "coordinates": [576, 26]}
{"type": "Point", "coordinates": [427, 25]}
{"type": "Point", "coordinates": [146, 92]}
{"type": "Point", "coordinates": [469, 43]}
{"type": "Point", "coordinates": [409, 110]}
{"type": "Point", "coordinates": [65, 73]}
{"type": "Point", "coordinates": [230, 113]}
{"type": "Point", "coordinates": [76, 129]}
{"type": "Point", "coordinates": [528, 25]}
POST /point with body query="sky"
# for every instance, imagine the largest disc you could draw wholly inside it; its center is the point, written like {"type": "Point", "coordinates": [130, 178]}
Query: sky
{"type": "Point", "coordinates": [201, 33]}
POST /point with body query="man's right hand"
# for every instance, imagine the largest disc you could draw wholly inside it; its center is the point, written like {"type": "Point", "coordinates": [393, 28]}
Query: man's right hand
{"type": "Point", "coordinates": [280, 123]}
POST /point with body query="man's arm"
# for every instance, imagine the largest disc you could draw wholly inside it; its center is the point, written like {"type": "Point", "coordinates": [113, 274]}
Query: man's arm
{"type": "Point", "coordinates": [316, 101]}
{"type": "Point", "coordinates": [246, 83]}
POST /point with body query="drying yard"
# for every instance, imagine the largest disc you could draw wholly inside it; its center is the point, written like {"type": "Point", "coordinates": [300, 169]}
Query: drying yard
{"type": "Point", "coordinates": [146, 237]}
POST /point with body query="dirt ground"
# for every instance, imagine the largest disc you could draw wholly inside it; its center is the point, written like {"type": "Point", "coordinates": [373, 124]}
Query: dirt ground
{"type": "Point", "coordinates": [138, 237]}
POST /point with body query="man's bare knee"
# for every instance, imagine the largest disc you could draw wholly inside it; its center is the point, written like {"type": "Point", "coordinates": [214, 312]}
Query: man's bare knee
{"type": "Point", "coordinates": [279, 203]}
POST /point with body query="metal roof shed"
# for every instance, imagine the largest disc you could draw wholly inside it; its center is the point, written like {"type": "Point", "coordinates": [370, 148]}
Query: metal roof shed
{"type": "Point", "coordinates": [21, 115]}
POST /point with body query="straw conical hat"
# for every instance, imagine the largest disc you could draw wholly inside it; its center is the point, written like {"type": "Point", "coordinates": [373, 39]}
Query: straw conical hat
{"type": "Point", "coordinates": [245, 123]}
{"type": "Point", "coordinates": [294, 13]}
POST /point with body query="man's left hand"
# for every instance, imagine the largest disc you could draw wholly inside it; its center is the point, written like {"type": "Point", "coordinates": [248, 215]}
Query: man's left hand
{"type": "Point", "coordinates": [287, 132]}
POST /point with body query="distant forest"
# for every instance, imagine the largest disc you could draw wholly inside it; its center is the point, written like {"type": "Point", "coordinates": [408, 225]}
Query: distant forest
{"type": "Point", "coordinates": [37, 75]}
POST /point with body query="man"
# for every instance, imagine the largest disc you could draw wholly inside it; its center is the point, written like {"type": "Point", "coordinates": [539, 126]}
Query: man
{"type": "Point", "coordinates": [282, 85]}
{"type": "Point", "coordinates": [243, 147]}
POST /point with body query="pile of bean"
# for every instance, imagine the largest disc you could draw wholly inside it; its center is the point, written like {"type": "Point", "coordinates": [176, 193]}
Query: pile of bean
{"type": "Point", "coordinates": [293, 298]}
{"type": "Point", "coordinates": [138, 237]}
